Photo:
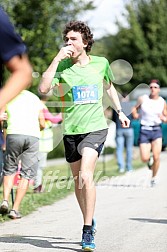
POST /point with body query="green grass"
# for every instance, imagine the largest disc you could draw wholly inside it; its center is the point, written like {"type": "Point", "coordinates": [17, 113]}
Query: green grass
{"type": "Point", "coordinates": [59, 184]}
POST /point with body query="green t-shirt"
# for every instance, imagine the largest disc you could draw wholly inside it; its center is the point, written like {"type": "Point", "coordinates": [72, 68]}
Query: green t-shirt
{"type": "Point", "coordinates": [79, 90]}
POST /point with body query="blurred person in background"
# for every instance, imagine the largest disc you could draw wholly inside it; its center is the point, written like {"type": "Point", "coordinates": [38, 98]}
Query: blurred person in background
{"type": "Point", "coordinates": [152, 111]}
{"type": "Point", "coordinates": [45, 142]}
{"type": "Point", "coordinates": [3, 118]}
{"type": "Point", "coordinates": [124, 138]}
{"type": "Point", "coordinates": [13, 56]}
{"type": "Point", "coordinates": [24, 121]}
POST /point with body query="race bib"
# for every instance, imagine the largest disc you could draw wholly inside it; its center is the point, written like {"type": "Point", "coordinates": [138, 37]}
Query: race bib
{"type": "Point", "coordinates": [85, 94]}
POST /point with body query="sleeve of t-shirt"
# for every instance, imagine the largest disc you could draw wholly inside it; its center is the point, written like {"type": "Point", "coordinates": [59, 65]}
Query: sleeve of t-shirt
{"type": "Point", "coordinates": [11, 43]}
{"type": "Point", "coordinates": [54, 119]}
{"type": "Point", "coordinates": [56, 79]}
{"type": "Point", "coordinates": [109, 76]}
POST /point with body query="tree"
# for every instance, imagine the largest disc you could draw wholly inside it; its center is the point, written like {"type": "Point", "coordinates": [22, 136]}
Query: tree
{"type": "Point", "coordinates": [143, 42]}
{"type": "Point", "coordinates": [40, 23]}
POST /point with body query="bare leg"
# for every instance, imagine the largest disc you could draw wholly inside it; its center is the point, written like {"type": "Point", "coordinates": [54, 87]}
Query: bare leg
{"type": "Point", "coordinates": [89, 158]}
{"type": "Point", "coordinates": [156, 149]}
{"type": "Point", "coordinates": [20, 193]}
{"type": "Point", "coordinates": [84, 186]}
{"type": "Point", "coordinates": [7, 186]}
{"type": "Point", "coordinates": [75, 168]}
{"type": "Point", "coordinates": [145, 149]}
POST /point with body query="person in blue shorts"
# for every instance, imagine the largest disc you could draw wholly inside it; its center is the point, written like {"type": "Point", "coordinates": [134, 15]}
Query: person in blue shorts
{"type": "Point", "coordinates": [152, 111]}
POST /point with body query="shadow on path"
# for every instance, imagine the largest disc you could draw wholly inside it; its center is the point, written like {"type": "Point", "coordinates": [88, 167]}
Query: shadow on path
{"type": "Point", "coordinates": [159, 221]}
{"type": "Point", "coordinates": [40, 241]}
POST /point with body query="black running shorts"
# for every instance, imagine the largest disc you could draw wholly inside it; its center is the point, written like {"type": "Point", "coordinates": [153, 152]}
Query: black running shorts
{"type": "Point", "coordinates": [75, 143]}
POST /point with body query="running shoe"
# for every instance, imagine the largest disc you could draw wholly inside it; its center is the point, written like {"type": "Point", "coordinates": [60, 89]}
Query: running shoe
{"type": "Point", "coordinates": [4, 207]}
{"type": "Point", "coordinates": [14, 214]}
{"type": "Point", "coordinates": [94, 226]}
{"type": "Point", "coordinates": [121, 170]}
{"type": "Point", "coordinates": [88, 243]}
{"type": "Point", "coordinates": [94, 229]}
{"type": "Point", "coordinates": [150, 162]}
{"type": "Point", "coordinates": [154, 181]}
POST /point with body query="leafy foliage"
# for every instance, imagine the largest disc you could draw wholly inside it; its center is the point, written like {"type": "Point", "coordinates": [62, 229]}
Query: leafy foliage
{"type": "Point", "coordinates": [142, 43]}
{"type": "Point", "coordinates": [40, 24]}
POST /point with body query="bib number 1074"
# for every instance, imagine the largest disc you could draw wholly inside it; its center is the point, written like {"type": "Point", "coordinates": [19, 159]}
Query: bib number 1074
{"type": "Point", "coordinates": [85, 94]}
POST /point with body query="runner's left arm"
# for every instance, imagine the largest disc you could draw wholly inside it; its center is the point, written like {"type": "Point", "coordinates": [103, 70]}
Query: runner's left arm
{"type": "Point", "coordinates": [163, 116]}
{"type": "Point", "coordinates": [125, 122]}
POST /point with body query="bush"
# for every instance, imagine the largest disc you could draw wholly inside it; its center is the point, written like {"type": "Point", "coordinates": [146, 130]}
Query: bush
{"type": "Point", "coordinates": [108, 150]}
{"type": "Point", "coordinates": [57, 152]}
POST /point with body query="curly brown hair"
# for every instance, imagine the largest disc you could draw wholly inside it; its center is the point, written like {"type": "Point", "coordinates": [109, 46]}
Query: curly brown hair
{"type": "Point", "coordinates": [79, 26]}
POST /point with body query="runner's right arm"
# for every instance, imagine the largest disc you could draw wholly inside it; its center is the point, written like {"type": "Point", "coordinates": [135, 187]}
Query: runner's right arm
{"type": "Point", "coordinates": [135, 109]}
{"type": "Point", "coordinates": [48, 75]}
